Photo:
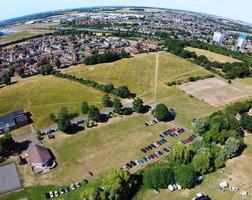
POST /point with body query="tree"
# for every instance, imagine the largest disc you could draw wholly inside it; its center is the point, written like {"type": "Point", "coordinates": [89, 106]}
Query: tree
{"type": "Point", "coordinates": [52, 117]}
{"type": "Point", "coordinates": [181, 154]}
{"type": "Point", "coordinates": [108, 88]}
{"type": "Point", "coordinates": [202, 161]}
{"type": "Point", "coordinates": [94, 114]}
{"type": "Point", "coordinates": [46, 69]}
{"type": "Point", "coordinates": [64, 122]}
{"type": "Point", "coordinates": [7, 145]}
{"type": "Point", "coordinates": [122, 92]}
{"type": "Point", "coordinates": [6, 80]}
{"type": "Point", "coordinates": [138, 105]}
{"type": "Point", "coordinates": [185, 176]}
{"type": "Point", "coordinates": [246, 122]}
{"type": "Point", "coordinates": [231, 148]}
{"type": "Point", "coordinates": [117, 105]}
{"type": "Point", "coordinates": [201, 126]}
{"type": "Point", "coordinates": [162, 113]}
{"type": "Point", "coordinates": [159, 177]}
{"type": "Point", "coordinates": [106, 101]}
{"type": "Point", "coordinates": [118, 184]}
{"type": "Point", "coordinates": [90, 193]}
{"type": "Point", "coordinates": [127, 111]}
{"type": "Point", "coordinates": [84, 107]}
{"type": "Point", "coordinates": [57, 62]}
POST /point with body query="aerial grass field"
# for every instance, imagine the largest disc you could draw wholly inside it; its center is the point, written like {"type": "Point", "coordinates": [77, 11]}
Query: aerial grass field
{"type": "Point", "coordinates": [43, 95]}
{"type": "Point", "coordinates": [212, 56]}
{"type": "Point", "coordinates": [138, 72]}
{"type": "Point", "coordinates": [22, 34]}
{"type": "Point", "coordinates": [99, 149]}
{"type": "Point", "coordinates": [112, 144]}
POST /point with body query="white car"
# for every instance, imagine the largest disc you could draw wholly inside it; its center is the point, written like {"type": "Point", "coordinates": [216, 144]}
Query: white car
{"type": "Point", "coordinates": [73, 187]}
{"type": "Point", "coordinates": [51, 194]}
{"type": "Point", "coordinates": [56, 194]}
{"type": "Point", "coordinates": [77, 185]}
{"type": "Point", "coordinates": [137, 162]}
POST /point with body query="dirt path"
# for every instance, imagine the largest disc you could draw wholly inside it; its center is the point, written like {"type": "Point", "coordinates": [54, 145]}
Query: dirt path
{"type": "Point", "coordinates": [166, 80]}
{"type": "Point", "coordinates": [156, 75]}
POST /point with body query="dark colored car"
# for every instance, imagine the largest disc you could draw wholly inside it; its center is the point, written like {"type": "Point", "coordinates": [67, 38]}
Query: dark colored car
{"type": "Point", "coordinates": [47, 195]}
{"type": "Point", "coordinates": [143, 150]}
{"type": "Point", "coordinates": [133, 163]}
{"type": "Point", "coordinates": [145, 159]}
{"type": "Point", "coordinates": [150, 147]}
{"type": "Point", "coordinates": [164, 140]}
{"type": "Point", "coordinates": [85, 181]}
{"type": "Point", "coordinates": [153, 146]}
{"type": "Point", "coordinates": [129, 165]}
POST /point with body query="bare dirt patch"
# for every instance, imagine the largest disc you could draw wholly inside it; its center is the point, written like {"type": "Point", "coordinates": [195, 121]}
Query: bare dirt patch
{"type": "Point", "coordinates": [214, 91]}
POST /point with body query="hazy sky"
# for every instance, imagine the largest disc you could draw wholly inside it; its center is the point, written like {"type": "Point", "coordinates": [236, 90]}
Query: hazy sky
{"type": "Point", "coordinates": [236, 9]}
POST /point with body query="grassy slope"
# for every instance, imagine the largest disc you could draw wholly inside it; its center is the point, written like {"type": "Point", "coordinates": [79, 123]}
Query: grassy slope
{"type": "Point", "coordinates": [44, 95]}
{"type": "Point", "coordinates": [212, 56]}
{"type": "Point", "coordinates": [22, 34]}
{"type": "Point", "coordinates": [138, 72]}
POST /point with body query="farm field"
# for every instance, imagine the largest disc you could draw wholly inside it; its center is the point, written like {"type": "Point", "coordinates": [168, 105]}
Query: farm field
{"type": "Point", "coordinates": [212, 56]}
{"type": "Point", "coordinates": [22, 34]}
{"type": "Point", "coordinates": [138, 73]}
{"type": "Point", "coordinates": [237, 172]}
{"type": "Point", "coordinates": [43, 95]}
{"type": "Point", "coordinates": [216, 92]}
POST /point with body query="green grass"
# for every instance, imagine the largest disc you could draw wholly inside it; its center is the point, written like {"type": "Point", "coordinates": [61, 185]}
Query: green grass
{"type": "Point", "coordinates": [21, 35]}
{"type": "Point", "coordinates": [44, 95]}
{"type": "Point", "coordinates": [138, 73]}
{"type": "Point", "coordinates": [212, 56]}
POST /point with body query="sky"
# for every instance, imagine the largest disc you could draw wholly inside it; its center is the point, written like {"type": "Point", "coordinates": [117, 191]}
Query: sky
{"type": "Point", "coordinates": [235, 9]}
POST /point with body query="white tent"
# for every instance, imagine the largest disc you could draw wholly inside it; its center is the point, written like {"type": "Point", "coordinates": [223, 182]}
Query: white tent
{"type": "Point", "coordinates": [223, 185]}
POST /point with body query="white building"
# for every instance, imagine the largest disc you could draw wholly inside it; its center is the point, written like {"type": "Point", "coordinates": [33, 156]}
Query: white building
{"type": "Point", "coordinates": [218, 37]}
{"type": "Point", "coordinates": [242, 40]}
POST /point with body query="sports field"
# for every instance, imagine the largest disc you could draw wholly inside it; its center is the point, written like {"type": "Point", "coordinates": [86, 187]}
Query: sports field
{"type": "Point", "coordinates": [216, 92]}
{"type": "Point", "coordinates": [44, 95]}
{"type": "Point", "coordinates": [212, 56]}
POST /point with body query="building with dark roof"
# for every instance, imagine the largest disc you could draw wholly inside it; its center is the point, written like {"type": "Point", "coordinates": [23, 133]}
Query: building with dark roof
{"type": "Point", "coordinates": [13, 120]}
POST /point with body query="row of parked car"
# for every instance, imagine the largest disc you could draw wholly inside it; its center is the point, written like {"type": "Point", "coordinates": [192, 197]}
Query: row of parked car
{"type": "Point", "coordinates": [61, 191]}
{"type": "Point", "coordinates": [153, 145]}
{"type": "Point", "coordinates": [188, 140]}
{"type": "Point", "coordinates": [172, 132]}
{"type": "Point", "coordinates": [152, 122]}
{"type": "Point", "coordinates": [148, 158]}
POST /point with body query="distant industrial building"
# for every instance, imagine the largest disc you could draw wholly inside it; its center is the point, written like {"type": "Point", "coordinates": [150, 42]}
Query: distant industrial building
{"type": "Point", "coordinates": [242, 40]}
{"type": "Point", "coordinates": [13, 120]}
{"type": "Point", "coordinates": [218, 37]}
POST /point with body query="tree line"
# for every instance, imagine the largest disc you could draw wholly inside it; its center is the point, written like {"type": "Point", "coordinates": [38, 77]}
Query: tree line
{"type": "Point", "coordinates": [220, 138]}
{"type": "Point", "coordinates": [121, 91]}
{"type": "Point", "coordinates": [230, 70]}
{"type": "Point", "coordinates": [105, 58]}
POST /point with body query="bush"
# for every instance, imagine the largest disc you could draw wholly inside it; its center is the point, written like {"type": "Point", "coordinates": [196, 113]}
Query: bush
{"type": "Point", "coordinates": [185, 176]}
{"type": "Point", "coordinates": [162, 113]}
{"type": "Point", "coordinates": [159, 177]}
